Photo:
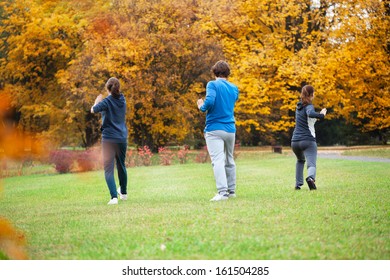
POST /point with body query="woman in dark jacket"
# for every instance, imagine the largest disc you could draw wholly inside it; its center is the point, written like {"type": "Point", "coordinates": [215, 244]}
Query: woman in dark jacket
{"type": "Point", "coordinates": [114, 137]}
{"type": "Point", "coordinates": [303, 141]}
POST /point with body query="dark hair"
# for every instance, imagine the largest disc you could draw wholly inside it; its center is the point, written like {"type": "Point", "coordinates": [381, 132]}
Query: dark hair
{"type": "Point", "coordinates": [221, 69]}
{"type": "Point", "coordinates": [113, 86]}
{"type": "Point", "coordinates": [306, 94]}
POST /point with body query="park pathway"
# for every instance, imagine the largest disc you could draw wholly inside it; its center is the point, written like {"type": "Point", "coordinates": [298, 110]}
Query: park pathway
{"type": "Point", "coordinates": [337, 155]}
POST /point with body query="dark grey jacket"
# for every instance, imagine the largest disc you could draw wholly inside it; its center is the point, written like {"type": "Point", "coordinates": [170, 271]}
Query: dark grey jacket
{"type": "Point", "coordinates": [305, 118]}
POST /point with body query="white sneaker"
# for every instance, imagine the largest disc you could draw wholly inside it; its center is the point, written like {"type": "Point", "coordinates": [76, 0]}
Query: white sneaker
{"type": "Point", "coordinates": [122, 196]}
{"type": "Point", "coordinates": [219, 197]}
{"type": "Point", "coordinates": [113, 201]}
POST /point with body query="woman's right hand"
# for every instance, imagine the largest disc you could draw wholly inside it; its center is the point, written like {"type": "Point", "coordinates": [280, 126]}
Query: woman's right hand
{"type": "Point", "coordinates": [323, 111]}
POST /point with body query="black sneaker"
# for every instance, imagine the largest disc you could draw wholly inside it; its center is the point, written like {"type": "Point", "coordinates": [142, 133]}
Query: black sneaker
{"type": "Point", "coordinates": [311, 183]}
{"type": "Point", "coordinates": [297, 188]}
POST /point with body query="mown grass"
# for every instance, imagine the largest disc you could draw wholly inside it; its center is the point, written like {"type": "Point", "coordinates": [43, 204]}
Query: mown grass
{"type": "Point", "coordinates": [169, 216]}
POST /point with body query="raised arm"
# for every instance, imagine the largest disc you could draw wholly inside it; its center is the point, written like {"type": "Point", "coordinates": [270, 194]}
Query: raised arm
{"type": "Point", "coordinates": [97, 101]}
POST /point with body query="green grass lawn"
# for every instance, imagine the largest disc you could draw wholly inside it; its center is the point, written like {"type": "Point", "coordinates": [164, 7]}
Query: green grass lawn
{"type": "Point", "coordinates": [169, 216]}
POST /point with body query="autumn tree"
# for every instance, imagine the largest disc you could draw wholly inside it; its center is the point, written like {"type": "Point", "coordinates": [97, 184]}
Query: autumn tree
{"type": "Point", "coordinates": [162, 58]}
{"type": "Point", "coordinates": [39, 39]}
{"type": "Point", "coordinates": [263, 40]}
{"type": "Point", "coordinates": [352, 71]}
{"type": "Point", "coordinates": [56, 56]}
{"type": "Point", "coordinates": [277, 46]}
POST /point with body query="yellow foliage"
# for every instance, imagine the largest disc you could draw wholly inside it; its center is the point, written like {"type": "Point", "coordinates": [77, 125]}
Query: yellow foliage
{"type": "Point", "coordinates": [160, 55]}
{"type": "Point", "coordinates": [57, 55]}
{"type": "Point", "coordinates": [353, 75]}
{"type": "Point", "coordinates": [276, 46]}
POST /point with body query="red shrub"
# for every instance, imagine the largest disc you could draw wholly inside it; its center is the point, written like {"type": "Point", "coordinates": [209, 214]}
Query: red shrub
{"type": "Point", "coordinates": [63, 160]}
{"type": "Point", "coordinates": [165, 155]}
{"type": "Point", "coordinates": [202, 156]}
{"type": "Point", "coordinates": [131, 158]}
{"type": "Point", "coordinates": [182, 154]}
{"type": "Point", "coordinates": [145, 156]}
{"type": "Point", "coordinates": [88, 160]}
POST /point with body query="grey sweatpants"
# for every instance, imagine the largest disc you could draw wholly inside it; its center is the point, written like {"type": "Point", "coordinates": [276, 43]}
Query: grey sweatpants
{"type": "Point", "coordinates": [220, 145]}
{"type": "Point", "coordinates": [304, 151]}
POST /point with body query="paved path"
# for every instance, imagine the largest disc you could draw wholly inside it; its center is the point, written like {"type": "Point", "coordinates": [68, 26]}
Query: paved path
{"type": "Point", "coordinates": [335, 155]}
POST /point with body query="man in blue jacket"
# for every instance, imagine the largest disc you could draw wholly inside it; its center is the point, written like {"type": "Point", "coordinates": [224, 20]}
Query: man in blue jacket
{"type": "Point", "coordinates": [220, 130]}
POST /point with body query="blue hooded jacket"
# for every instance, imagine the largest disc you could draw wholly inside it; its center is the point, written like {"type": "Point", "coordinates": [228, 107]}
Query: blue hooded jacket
{"type": "Point", "coordinates": [113, 112]}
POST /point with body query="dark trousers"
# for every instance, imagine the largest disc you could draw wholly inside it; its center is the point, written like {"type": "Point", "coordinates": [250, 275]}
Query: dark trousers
{"type": "Point", "coordinates": [304, 151]}
{"type": "Point", "coordinates": [115, 152]}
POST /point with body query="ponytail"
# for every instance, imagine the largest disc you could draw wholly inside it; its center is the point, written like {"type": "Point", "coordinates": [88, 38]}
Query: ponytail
{"type": "Point", "coordinates": [306, 94]}
{"type": "Point", "coordinates": [113, 86]}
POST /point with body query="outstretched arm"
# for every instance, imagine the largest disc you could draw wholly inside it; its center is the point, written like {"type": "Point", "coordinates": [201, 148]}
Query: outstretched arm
{"type": "Point", "coordinates": [313, 114]}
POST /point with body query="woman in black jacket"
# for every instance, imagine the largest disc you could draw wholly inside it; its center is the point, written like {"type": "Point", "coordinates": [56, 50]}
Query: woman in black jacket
{"type": "Point", "coordinates": [303, 141]}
